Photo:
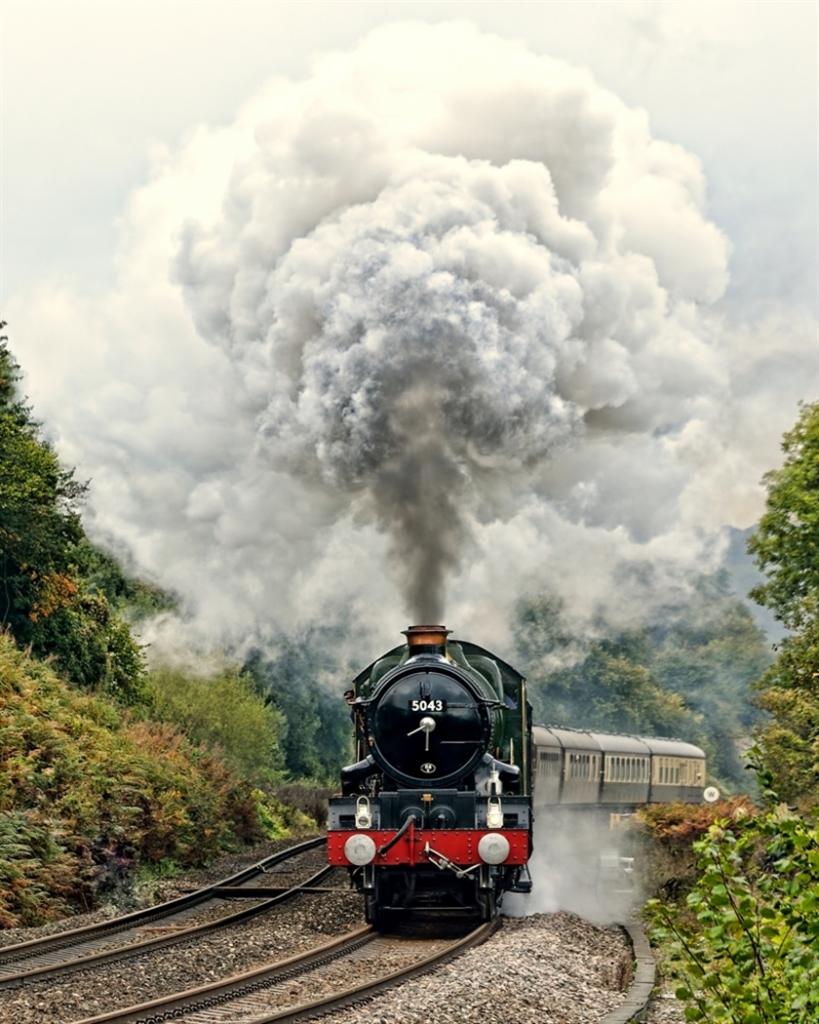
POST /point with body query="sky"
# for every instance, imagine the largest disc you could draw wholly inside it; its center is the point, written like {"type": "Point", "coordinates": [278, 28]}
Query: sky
{"type": "Point", "coordinates": [624, 171]}
{"type": "Point", "coordinates": [91, 88]}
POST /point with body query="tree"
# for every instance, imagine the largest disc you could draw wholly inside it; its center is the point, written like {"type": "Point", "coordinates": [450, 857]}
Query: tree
{"type": "Point", "coordinates": [786, 546]}
{"type": "Point", "coordinates": [789, 692]}
{"type": "Point", "coordinates": [45, 601]}
{"type": "Point", "coordinates": [687, 671]}
{"type": "Point", "coordinates": [39, 518]}
{"type": "Point", "coordinates": [226, 713]}
{"type": "Point", "coordinates": [786, 542]}
{"type": "Point", "coordinates": [745, 948]}
{"type": "Point", "coordinates": [318, 733]}
{"type": "Point", "coordinates": [604, 684]}
{"type": "Point", "coordinates": [711, 652]}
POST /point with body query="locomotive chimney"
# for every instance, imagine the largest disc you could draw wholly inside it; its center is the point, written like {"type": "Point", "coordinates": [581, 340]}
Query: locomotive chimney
{"type": "Point", "coordinates": [426, 639]}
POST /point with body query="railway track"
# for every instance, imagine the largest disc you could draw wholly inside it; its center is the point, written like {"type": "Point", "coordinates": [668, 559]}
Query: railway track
{"type": "Point", "coordinates": [154, 927]}
{"type": "Point", "coordinates": [305, 985]}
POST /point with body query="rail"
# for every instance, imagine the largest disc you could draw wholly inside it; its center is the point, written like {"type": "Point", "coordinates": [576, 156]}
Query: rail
{"type": "Point", "coordinates": [243, 995]}
{"type": "Point", "coordinates": [90, 945]}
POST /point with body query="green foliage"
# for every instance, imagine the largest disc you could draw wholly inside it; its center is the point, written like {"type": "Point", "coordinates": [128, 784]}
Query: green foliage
{"type": "Point", "coordinates": [132, 597]}
{"type": "Point", "coordinates": [86, 792]}
{"type": "Point", "coordinates": [278, 819]}
{"type": "Point", "coordinates": [225, 712]}
{"type": "Point", "coordinates": [687, 672]}
{"type": "Point", "coordinates": [318, 732]}
{"type": "Point", "coordinates": [617, 692]}
{"type": "Point", "coordinates": [45, 601]}
{"type": "Point", "coordinates": [667, 833]}
{"type": "Point", "coordinates": [39, 880]}
{"type": "Point", "coordinates": [789, 691]}
{"type": "Point", "coordinates": [39, 521]}
{"type": "Point", "coordinates": [745, 946]}
{"type": "Point", "coordinates": [786, 542]}
{"type": "Point", "coordinates": [786, 546]}
{"type": "Point", "coordinates": [711, 652]}
{"type": "Point", "coordinates": [93, 647]}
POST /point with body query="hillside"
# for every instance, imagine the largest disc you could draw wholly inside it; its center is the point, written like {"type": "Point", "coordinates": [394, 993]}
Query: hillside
{"type": "Point", "coordinates": [87, 792]}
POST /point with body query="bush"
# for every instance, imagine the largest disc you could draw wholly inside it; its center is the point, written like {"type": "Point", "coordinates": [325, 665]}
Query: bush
{"type": "Point", "coordinates": [86, 793]}
{"type": "Point", "coordinates": [310, 797]}
{"type": "Point", "coordinates": [38, 879]}
{"type": "Point", "coordinates": [670, 831]}
{"type": "Point", "coordinates": [745, 945]}
{"type": "Point", "coordinates": [227, 714]}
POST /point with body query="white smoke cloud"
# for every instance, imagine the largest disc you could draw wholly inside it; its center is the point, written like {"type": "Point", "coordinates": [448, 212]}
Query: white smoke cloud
{"type": "Point", "coordinates": [581, 864]}
{"type": "Point", "coordinates": [412, 336]}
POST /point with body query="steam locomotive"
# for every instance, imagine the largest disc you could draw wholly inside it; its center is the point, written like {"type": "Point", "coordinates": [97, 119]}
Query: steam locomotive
{"type": "Point", "coordinates": [436, 813]}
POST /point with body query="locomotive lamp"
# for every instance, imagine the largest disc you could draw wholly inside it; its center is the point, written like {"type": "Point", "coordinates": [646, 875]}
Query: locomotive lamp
{"type": "Point", "coordinates": [494, 808]}
{"type": "Point", "coordinates": [363, 814]}
{"type": "Point", "coordinates": [493, 848]}
{"type": "Point", "coordinates": [359, 850]}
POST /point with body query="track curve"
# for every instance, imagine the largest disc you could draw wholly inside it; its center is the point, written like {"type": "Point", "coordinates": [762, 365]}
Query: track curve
{"type": "Point", "coordinates": [108, 940]}
{"type": "Point", "coordinates": [249, 996]}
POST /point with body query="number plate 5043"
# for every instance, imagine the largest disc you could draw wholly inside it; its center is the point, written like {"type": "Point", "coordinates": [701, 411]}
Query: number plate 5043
{"type": "Point", "coordinates": [427, 704]}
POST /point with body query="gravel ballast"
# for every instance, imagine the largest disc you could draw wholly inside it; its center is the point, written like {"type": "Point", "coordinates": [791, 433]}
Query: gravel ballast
{"type": "Point", "coordinates": [546, 968]}
{"type": "Point", "coordinates": [153, 892]}
{"type": "Point", "coordinates": [308, 921]}
{"type": "Point", "coordinates": [543, 969]}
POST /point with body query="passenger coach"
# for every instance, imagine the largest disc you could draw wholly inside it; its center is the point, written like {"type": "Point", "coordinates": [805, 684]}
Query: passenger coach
{"type": "Point", "coordinates": [578, 768]}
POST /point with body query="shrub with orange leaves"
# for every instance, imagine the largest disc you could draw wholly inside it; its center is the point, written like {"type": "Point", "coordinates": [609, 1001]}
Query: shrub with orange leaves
{"type": "Point", "coordinates": [87, 794]}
